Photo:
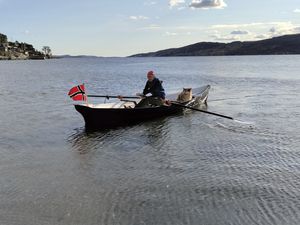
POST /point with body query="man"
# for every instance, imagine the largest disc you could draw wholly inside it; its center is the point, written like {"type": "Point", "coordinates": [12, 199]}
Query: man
{"type": "Point", "coordinates": [155, 88]}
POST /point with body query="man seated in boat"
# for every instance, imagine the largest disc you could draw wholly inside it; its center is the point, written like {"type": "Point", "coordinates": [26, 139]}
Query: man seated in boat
{"type": "Point", "coordinates": [155, 88]}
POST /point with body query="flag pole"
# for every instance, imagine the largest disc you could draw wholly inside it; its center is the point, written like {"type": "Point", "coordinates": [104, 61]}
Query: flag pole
{"type": "Point", "coordinates": [86, 96]}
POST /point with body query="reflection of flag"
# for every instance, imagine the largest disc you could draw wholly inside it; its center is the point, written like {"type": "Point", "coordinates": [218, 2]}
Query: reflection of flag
{"type": "Point", "coordinates": [78, 93]}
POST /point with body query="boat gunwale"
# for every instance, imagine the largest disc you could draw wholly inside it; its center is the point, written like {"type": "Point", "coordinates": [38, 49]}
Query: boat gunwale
{"type": "Point", "coordinates": [145, 108]}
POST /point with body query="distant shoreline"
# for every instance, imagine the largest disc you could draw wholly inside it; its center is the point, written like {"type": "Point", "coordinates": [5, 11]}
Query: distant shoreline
{"type": "Point", "coordinates": [128, 57]}
{"type": "Point", "coordinates": [124, 57]}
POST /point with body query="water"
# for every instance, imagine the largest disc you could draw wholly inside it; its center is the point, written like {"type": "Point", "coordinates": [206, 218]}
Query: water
{"type": "Point", "coordinates": [186, 169]}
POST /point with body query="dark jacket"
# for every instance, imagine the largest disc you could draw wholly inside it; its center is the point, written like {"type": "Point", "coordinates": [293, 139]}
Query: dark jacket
{"type": "Point", "coordinates": [155, 88]}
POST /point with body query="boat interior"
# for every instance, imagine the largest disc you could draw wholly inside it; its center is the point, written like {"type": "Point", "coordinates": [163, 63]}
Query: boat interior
{"type": "Point", "coordinates": [200, 97]}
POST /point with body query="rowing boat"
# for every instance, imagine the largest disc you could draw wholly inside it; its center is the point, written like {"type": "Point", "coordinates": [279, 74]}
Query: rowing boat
{"type": "Point", "coordinates": [110, 115]}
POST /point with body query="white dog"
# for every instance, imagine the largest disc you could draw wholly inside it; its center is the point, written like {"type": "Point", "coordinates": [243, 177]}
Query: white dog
{"type": "Point", "coordinates": [186, 95]}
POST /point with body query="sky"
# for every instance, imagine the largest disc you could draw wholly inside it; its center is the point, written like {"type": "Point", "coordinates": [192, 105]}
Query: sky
{"type": "Point", "coordinates": [122, 28]}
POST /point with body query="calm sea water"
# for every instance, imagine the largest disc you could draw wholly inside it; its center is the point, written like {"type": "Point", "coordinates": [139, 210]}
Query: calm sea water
{"type": "Point", "coordinates": [186, 169]}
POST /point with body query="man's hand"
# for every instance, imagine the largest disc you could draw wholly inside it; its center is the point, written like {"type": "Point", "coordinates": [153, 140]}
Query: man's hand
{"type": "Point", "coordinates": [167, 102]}
{"type": "Point", "coordinates": [140, 95]}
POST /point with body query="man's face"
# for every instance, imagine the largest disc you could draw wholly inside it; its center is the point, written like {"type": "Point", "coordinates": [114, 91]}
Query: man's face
{"type": "Point", "coordinates": [150, 77]}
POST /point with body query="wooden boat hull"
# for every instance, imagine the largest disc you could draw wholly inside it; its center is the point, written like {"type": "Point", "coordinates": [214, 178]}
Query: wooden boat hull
{"type": "Point", "coordinates": [107, 118]}
{"type": "Point", "coordinates": [103, 118]}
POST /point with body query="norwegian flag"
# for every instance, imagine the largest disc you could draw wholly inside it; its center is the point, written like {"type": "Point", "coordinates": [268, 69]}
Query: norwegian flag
{"type": "Point", "coordinates": [78, 93]}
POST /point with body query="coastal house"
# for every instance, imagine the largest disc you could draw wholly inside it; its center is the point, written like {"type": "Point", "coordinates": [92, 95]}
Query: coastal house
{"type": "Point", "coordinates": [27, 48]}
{"type": "Point", "coordinates": [18, 50]}
{"type": "Point", "coordinates": [3, 47]}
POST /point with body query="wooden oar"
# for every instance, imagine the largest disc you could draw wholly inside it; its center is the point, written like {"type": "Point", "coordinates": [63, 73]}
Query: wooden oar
{"type": "Point", "coordinates": [113, 96]}
{"type": "Point", "coordinates": [203, 111]}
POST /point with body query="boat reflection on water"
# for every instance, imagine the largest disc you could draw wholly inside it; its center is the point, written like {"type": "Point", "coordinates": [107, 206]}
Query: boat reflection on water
{"type": "Point", "coordinates": [84, 141]}
{"type": "Point", "coordinates": [152, 133]}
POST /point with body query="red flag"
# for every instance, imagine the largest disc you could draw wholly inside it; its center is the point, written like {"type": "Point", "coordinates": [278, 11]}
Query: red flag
{"type": "Point", "coordinates": [78, 93]}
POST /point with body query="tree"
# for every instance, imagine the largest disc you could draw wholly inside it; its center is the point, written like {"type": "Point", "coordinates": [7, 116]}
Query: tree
{"type": "Point", "coordinates": [3, 38]}
{"type": "Point", "coordinates": [47, 51]}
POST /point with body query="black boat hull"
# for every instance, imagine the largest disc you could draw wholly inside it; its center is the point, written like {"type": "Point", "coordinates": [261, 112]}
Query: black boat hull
{"type": "Point", "coordinates": [109, 118]}
{"type": "Point", "coordinates": [103, 118]}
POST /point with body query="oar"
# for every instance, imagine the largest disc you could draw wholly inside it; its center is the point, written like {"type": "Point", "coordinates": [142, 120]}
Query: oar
{"type": "Point", "coordinates": [113, 96]}
{"type": "Point", "coordinates": [203, 111]}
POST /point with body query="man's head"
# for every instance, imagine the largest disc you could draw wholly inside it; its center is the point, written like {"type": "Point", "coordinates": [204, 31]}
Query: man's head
{"type": "Point", "coordinates": [150, 75]}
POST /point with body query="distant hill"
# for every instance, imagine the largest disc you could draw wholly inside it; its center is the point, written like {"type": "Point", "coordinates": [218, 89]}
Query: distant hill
{"type": "Point", "coordinates": [288, 44]}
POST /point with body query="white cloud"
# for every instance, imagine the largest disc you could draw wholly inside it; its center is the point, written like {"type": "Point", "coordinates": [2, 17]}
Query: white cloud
{"type": "Point", "coordinates": [226, 38]}
{"type": "Point", "coordinates": [170, 33]}
{"type": "Point", "coordinates": [177, 33]}
{"type": "Point", "coordinates": [206, 4]}
{"type": "Point", "coordinates": [181, 8]}
{"type": "Point", "coordinates": [150, 3]}
{"type": "Point", "coordinates": [151, 27]}
{"type": "Point", "coordinates": [138, 17]}
{"type": "Point", "coordinates": [297, 11]}
{"type": "Point", "coordinates": [252, 31]}
{"type": "Point", "coordinates": [203, 4]}
{"type": "Point", "coordinates": [239, 32]}
{"type": "Point", "coordinates": [217, 36]}
{"type": "Point", "coordinates": [262, 36]}
{"type": "Point", "coordinates": [173, 3]}
{"type": "Point", "coordinates": [279, 31]}
{"type": "Point", "coordinates": [177, 29]}
{"type": "Point", "coordinates": [233, 26]}
{"type": "Point", "coordinates": [252, 25]}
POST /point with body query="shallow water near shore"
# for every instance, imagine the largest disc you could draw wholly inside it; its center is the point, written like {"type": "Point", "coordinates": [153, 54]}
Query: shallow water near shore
{"type": "Point", "coordinates": [186, 169]}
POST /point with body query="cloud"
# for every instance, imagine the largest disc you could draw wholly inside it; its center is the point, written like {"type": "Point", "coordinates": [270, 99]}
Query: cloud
{"type": "Point", "coordinates": [233, 26]}
{"type": "Point", "coordinates": [272, 30]}
{"type": "Point", "coordinates": [138, 17]}
{"type": "Point", "coordinates": [252, 31]}
{"type": "Point", "coordinates": [226, 38]}
{"type": "Point", "coordinates": [203, 4]}
{"type": "Point", "coordinates": [279, 31]}
{"type": "Point", "coordinates": [151, 27]}
{"type": "Point", "coordinates": [173, 3]}
{"type": "Point", "coordinates": [296, 11]}
{"type": "Point", "coordinates": [206, 4]}
{"type": "Point", "coordinates": [177, 34]}
{"type": "Point", "coordinates": [262, 36]}
{"type": "Point", "coordinates": [181, 8]}
{"type": "Point", "coordinates": [252, 25]}
{"type": "Point", "coordinates": [239, 32]}
{"type": "Point", "coordinates": [170, 33]}
{"type": "Point", "coordinates": [27, 32]}
{"type": "Point", "coordinates": [150, 3]}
